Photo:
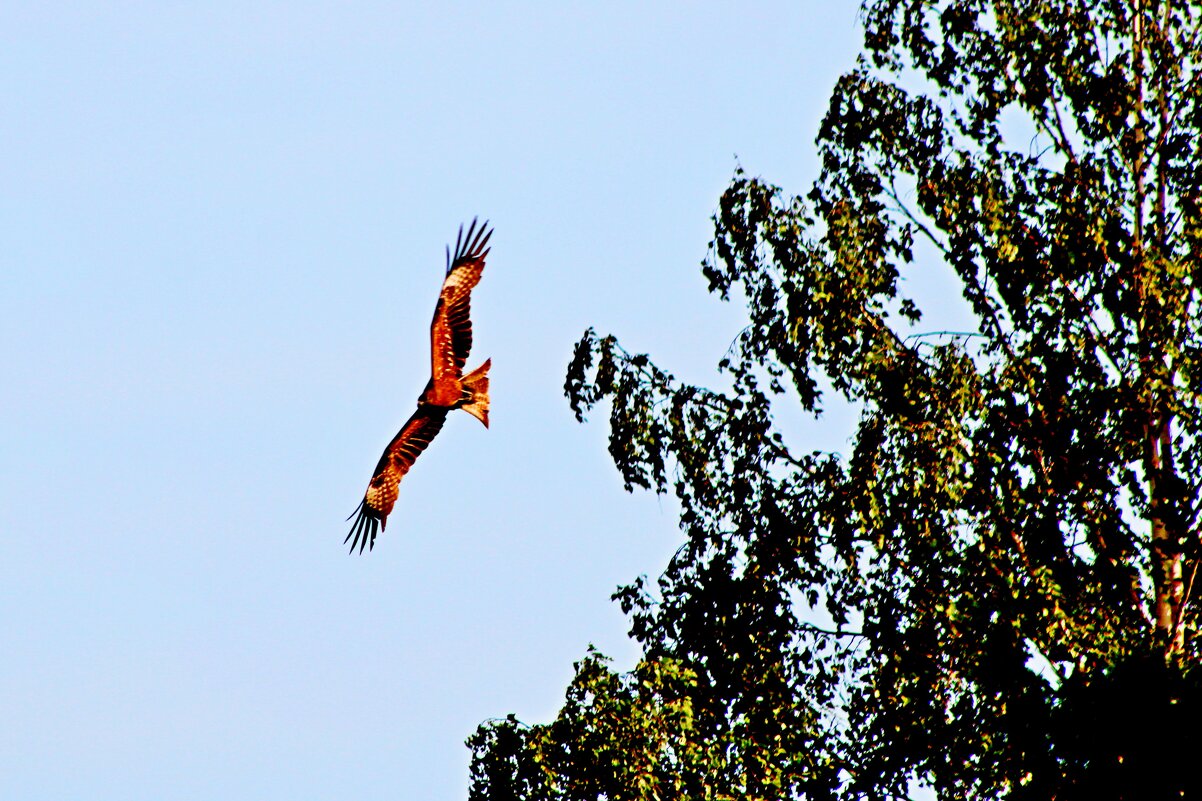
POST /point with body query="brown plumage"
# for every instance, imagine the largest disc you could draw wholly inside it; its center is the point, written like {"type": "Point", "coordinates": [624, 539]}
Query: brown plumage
{"type": "Point", "coordinates": [447, 389]}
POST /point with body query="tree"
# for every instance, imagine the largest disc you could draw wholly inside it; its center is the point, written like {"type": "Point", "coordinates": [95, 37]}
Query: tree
{"type": "Point", "coordinates": [993, 593]}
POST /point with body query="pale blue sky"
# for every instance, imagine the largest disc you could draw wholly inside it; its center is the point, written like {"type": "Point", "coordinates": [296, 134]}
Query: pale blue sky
{"type": "Point", "coordinates": [221, 235]}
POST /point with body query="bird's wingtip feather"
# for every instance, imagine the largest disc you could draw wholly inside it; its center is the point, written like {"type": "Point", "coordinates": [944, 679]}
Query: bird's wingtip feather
{"type": "Point", "coordinates": [363, 530]}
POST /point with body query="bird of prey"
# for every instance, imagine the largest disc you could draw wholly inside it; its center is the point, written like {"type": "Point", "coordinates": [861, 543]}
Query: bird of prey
{"type": "Point", "coordinates": [448, 388]}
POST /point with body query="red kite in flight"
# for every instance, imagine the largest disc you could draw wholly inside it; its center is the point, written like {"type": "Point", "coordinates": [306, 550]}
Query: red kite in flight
{"type": "Point", "coordinates": [447, 389]}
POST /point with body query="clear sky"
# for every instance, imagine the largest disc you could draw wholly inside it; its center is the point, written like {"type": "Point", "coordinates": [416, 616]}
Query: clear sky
{"type": "Point", "coordinates": [221, 236]}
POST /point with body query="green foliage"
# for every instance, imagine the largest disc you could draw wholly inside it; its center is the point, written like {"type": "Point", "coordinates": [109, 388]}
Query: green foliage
{"type": "Point", "coordinates": [993, 593]}
{"type": "Point", "coordinates": [630, 736]}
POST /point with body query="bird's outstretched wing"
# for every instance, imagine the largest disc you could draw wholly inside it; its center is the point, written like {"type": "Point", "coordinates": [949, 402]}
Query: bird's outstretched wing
{"type": "Point", "coordinates": [451, 328]}
{"type": "Point", "coordinates": [398, 457]}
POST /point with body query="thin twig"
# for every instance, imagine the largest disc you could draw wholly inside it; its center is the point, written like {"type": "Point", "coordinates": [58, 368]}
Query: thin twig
{"type": "Point", "coordinates": [919, 224]}
{"type": "Point", "coordinates": [810, 627]}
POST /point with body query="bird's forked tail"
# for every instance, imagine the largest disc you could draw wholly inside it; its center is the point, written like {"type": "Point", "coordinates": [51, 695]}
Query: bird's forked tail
{"type": "Point", "coordinates": [475, 388]}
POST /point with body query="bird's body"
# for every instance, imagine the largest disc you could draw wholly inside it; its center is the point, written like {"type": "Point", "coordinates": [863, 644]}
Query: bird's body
{"type": "Point", "coordinates": [448, 388]}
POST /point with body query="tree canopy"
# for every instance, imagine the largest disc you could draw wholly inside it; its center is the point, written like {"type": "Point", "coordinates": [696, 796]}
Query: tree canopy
{"type": "Point", "coordinates": [992, 593]}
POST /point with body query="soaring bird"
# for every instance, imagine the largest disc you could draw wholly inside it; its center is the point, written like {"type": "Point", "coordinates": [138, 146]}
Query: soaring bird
{"type": "Point", "coordinates": [447, 389]}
